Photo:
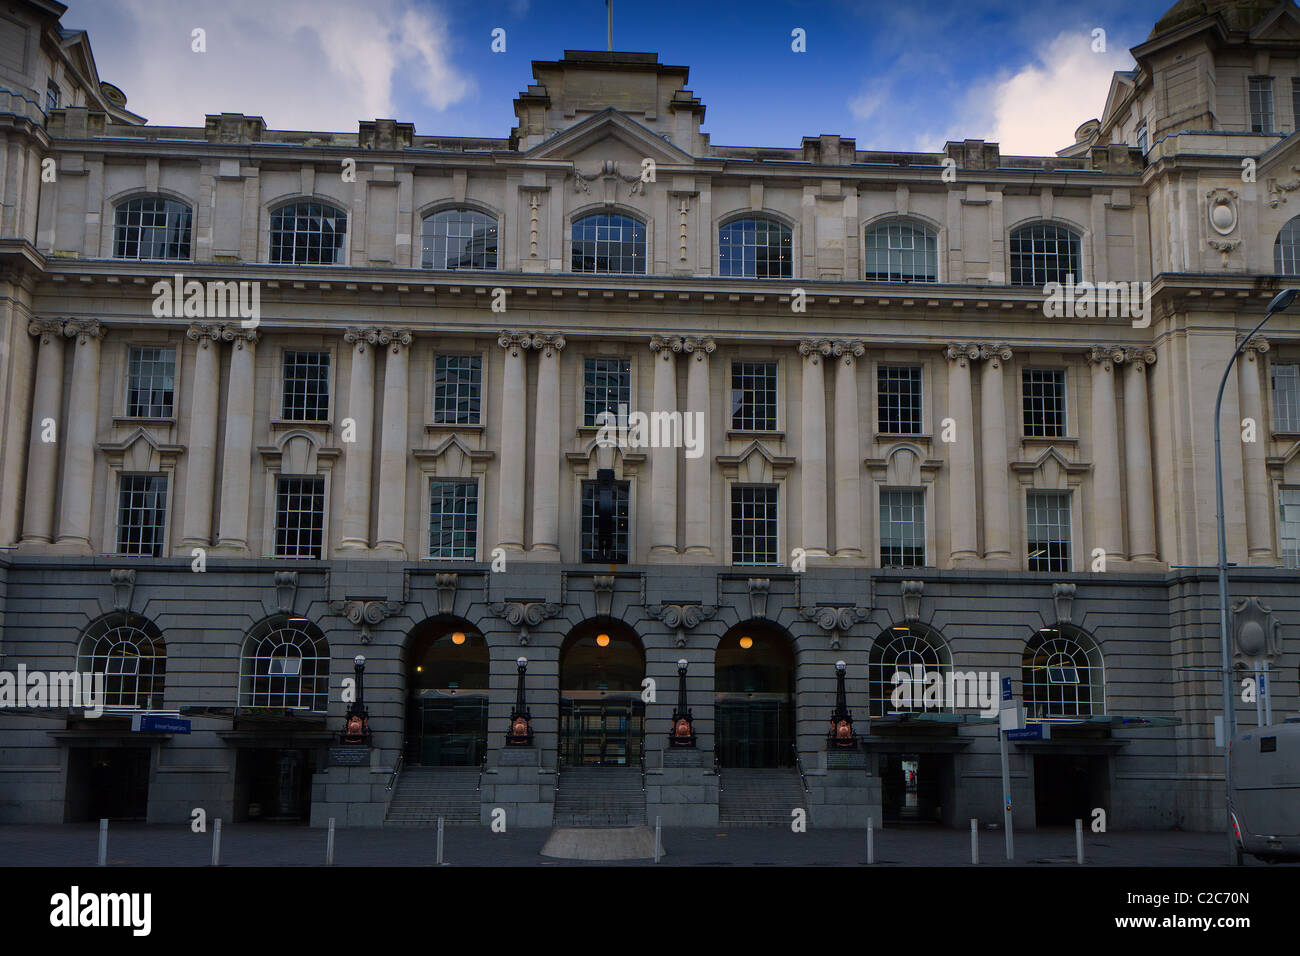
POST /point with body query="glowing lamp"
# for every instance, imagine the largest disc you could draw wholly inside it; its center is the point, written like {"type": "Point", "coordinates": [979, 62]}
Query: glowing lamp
{"type": "Point", "coordinates": [746, 642]}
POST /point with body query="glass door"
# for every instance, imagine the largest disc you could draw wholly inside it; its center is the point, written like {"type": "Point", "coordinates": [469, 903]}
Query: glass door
{"type": "Point", "coordinates": [447, 731]}
{"type": "Point", "coordinates": [606, 732]}
{"type": "Point", "coordinates": [754, 733]}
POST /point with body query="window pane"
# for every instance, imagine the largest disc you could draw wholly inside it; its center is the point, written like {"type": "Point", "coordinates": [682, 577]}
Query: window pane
{"type": "Point", "coordinates": [1289, 526]}
{"type": "Point", "coordinates": [141, 515]}
{"type": "Point", "coordinates": [453, 520]}
{"type": "Point", "coordinates": [308, 233]}
{"type": "Point", "coordinates": [609, 243]}
{"type": "Point", "coordinates": [902, 528]}
{"type": "Point", "coordinates": [1043, 395]}
{"type": "Point", "coordinates": [901, 251]}
{"type": "Point", "coordinates": [1048, 526]}
{"type": "Point", "coordinates": [898, 390]}
{"type": "Point", "coordinates": [607, 384]}
{"type": "Point", "coordinates": [1261, 105]}
{"type": "Point", "coordinates": [460, 239]}
{"type": "Point", "coordinates": [1043, 253]}
{"type": "Point", "coordinates": [306, 395]}
{"type": "Point", "coordinates": [299, 517]}
{"type": "Point", "coordinates": [753, 396]}
{"type": "Point", "coordinates": [151, 227]}
{"type": "Point", "coordinates": [753, 524]}
{"type": "Point", "coordinates": [1286, 398]}
{"type": "Point", "coordinates": [755, 249]}
{"type": "Point", "coordinates": [150, 377]}
{"type": "Point", "coordinates": [622, 495]}
{"type": "Point", "coordinates": [457, 389]}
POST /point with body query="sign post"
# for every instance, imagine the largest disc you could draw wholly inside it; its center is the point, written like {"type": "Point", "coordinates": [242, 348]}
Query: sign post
{"type": "Point", "coordinates": [1009, 718]}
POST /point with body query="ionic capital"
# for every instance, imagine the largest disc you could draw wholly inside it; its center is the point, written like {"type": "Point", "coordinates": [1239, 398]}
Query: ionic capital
{"type": "Point", "coordinates": [84, 330]}
{"type": "Point", "coordinates": [702, 345]}
{"type": "Point", "coordinates": [666, 343]}
{"type": "Point", "coordinates": [49, 330]}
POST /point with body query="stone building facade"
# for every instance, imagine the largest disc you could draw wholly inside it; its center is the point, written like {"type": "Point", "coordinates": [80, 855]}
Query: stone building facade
{"type": "Point", "coordinates": [276, 399]}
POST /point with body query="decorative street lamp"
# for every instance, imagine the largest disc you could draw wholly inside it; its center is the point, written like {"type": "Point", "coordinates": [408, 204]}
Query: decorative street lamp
{"type": "Point", "coordinates": [841, 735]}
{"type": "Point", "coordinates": [683, 732]}
{"type": "Point", "coordinates": [1281, 302]}
{"type": "Point", "coordinates": [357, 723]}
{"type": "Point", "coordinates": [521, 729]}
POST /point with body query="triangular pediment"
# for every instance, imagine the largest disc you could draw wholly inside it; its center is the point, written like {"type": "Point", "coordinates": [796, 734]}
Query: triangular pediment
{"type": "Point", "coordinates": [1278, 159]}
{"type": "Point", "coordinates": [1282, 23]}
{"type": "Point", "coordinates": [609, 135]}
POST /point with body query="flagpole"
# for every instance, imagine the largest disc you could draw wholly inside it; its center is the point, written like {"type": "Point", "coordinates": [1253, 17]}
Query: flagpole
{"type": "Point", "coordinates": [609, 36]}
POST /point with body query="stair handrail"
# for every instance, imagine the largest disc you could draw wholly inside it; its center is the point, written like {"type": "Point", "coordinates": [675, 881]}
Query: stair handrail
{"type": "Point", "coordinates": [803, 778]}
{"type": "Point", "coordinates": [642, 768]}
{"type": "Point", "coordinates": [717, 772]}
{"type": "Point", "coordinates": [482, 769]}
{"type": "Point", "coordinates": [397, 768]}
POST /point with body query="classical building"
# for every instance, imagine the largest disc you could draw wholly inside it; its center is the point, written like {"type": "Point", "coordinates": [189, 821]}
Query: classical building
{"type": "Point", "coordinates": [272, 401]}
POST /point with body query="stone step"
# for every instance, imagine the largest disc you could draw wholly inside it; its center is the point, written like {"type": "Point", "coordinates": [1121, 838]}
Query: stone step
{"type": "Point", "coordinates": [760, 798]}
{"type": "Point", "coordinates": [426, 793]}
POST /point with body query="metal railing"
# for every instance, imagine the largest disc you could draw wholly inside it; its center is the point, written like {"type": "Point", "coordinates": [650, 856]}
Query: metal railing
{"type": "Point", "coordinates": [642, 761]}
{"type": "Point", "coordinates": [717, 772]}
{"type": "Point", "coordinates": [799, 766]}
{"type": "Point", "coordinates": [397, 768]}
{"type": "Point", "coordinates": [482, 769]}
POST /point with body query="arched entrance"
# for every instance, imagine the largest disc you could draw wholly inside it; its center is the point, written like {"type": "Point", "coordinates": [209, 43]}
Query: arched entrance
{"type": "Point", "coordinates": [602, 716]}
{"type": "Point", "coordinates": [754, 697]}
{"type": "Point", "coordinates": [447, 669]}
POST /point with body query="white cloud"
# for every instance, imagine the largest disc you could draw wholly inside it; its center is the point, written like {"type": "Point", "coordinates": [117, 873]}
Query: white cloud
{"type": "Point", "coordinates": [1036, 110]}
{"type": "Point", "coordinates": [300, 64]}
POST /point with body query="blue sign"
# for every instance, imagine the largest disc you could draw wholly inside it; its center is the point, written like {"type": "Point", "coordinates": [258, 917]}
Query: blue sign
{"type": "Point", "coordinates": [164, 725]}
{"type": "Point", "coordinates": [1030, 732]}
{"type": "Point", "coordinates": [1006, 688]}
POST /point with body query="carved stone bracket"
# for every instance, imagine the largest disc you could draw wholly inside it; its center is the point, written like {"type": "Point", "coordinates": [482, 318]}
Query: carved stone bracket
{"type": "Point", "coordinates": [123, 582]}
{"type": "Point", "coordinates": [682, 617]}
{"type": "Point", "coordinates": [445, 583]}
{"type": "Point", "coordinates": [602, 586]}
{"type": "Point", "coordinates": [758, 590]}
{"type": "Point", "coordinates": [525, 614]}
{"type": "Point", "coordinates": [834, 620]}
{"type": "Point", "coordinates": [364, 614]}
{"type": "Point", "coordinates": [609, 169]}
{"type": "Point", "coordinates": [1256, 636]}
{"type": "Point", "coordinates": [911, 592]}
{"type": "Point", "coordinates": [286, 590]}
{"type": "Point", "coordinates": [1063, 597]}
{"type": "Point", "coordinates": [545, 342]}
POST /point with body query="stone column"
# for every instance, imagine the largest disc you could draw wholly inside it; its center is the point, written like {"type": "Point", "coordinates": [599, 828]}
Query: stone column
{"type": "Point", "coordinates": [849, 532]}
{"type": "Point", "coordinates": [812, 458]}
{"type": "Point", "coordinates": [1137, 456]}
{"type": "Point", "coordinates": [393, 448]}
{"type": "Point", "coordinates": [663, 461]}
{"type": "Point", "coordinates": [514, 419]}
{"type": "Point", "coordinates": [358, 454]}
{"type": "Point", "coordinates": [546, 446]}
{"type": "Point", "coordinates": [237, 454]}
{"type": "Point", "coordinates": [993, 452]}
{"type": "Point", "coordinates": [699, 471]}
{"type": "Point", "coordinates": [1255, 481]}
{"type": "Point", "coordinates": [1105, 506]}
{"type": "Point", "coordinates": [961, 455]}
{"type": "Point", "coordinates": [42, 455]}
{"type": "Point", "coordinates": [79, 437]}
{"type": "Point", "coordinates": [201, 452]}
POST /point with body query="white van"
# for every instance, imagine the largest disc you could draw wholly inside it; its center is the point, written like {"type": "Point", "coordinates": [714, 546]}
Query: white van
{"type": "Point", "coordinates": [1265, 803]}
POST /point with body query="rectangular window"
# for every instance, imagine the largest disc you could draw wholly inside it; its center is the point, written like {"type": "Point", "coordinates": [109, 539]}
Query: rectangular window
{"type": "Point", "coordinates": [457, 389]}
{"type": "Point", "coordinates": [306, 386]}
{"type": "Point", "coordinates": [150, 378]}
{"type": "Point", "coordinates": [753, 396]}
{"type": "Point", "coordinates": [1288, 523]}
{"type": "Point", "coordinates": [902, 528]}
{"type": "Point", "coordinates": [299, 517]}
{"type": "Point", "coordinates": [453, 520]}
{"type": "Point", "coordinates": [590, 552]}
{"type": "Point", "coordinates": [898, 392]}
{"type": "Point", "coordinates": [753, 524]}
{"type": "Point", "coordinates": [1261, 104]}
{"type": "Point", "coordinates": [53, 96]}
{"type": "Point", "coordinates": [1043, 391]}
{"type": "Point", "coordinates": [1295, 103]}
{"type": "Point", "coordinates": [1048, 526]}
{"type": "Point", "coordinates": [1142, 138]}
{"type": "Point", "coordinates": [1286, 398]}
{"type": "Point", "coordinates": [141, 515]}
{"type": "Point", "coordinates": [606, 384]}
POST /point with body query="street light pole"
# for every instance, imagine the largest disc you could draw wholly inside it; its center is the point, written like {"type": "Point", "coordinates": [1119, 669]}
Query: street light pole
{"type": "Point", "coordinates": [1281, 302]}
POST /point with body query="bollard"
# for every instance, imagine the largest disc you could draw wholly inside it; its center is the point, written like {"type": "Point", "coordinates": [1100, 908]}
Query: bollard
{"type": "Point", "coordinates": [657, 837]}
{"type": "Point", "coordinates": [974, 841]}
{"type": "Point", "coordinates": [103, 842]}
{"type": "Point", "coordinates": [1078, 841]}
{"type": "Point", "coordinates": [329, 845]}
{"type": "Point", "coordinates": [440, 841]}
{"type": "Point", "coordinates": [871, 842]}
{"type": "Point", "coordinates": [216, 843]}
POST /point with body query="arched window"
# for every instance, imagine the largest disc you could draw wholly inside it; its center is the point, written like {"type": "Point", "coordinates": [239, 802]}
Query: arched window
{"type": "Point", "coordinates": [608, 242]}
{"type": "Point", "coordinates": [1061, 675]}
{"type": "Point", "coordinates": [1044, 252]}
{"type": "Point", "coordinates": [754, 696]}
{"type": "Point", "coordinates": [459, 239]}
{"type": "Point", "coordinates": [308, 233]}
{"type": "Point", "coordinates": [152, 227]}
{"type": "Point", "coordinates": [901, 251]}
{"type": "Point", "coordinates": [285, 665]}
{"type": "Point", "coordinates": [910, 653]}
{"type": "Point", "coordinates": [129, 651]}
{"type": "Point", "coordinates": [755, 248]}
{"type": "Point", "coordinates": [1286, 250]}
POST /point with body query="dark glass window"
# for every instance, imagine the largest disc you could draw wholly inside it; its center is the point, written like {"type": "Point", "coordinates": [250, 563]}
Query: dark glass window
{"type": "Point", "coordinates": [622, 494]}
{"type": "Point", "coordinates": [901, 251]}
{"type": "Point", "coordinates": [1048, 524]}
{"type": "Point", "coordinates": [299, 517]}
{"type": "Point", "coordinates": [457, 389]}
{"type": "Point", "coordinates": [755, 249]}
{"type": "Point", "coordinates": [754, 524]}
{"type": "Point", "coordinates": [151, 227]}
{"type": "Point", "coordinates": [753, 396]}
{"type": "Point", "coordinates": [898, 406]}
{"type": "Point", "coordinates": [306, 392]}
{"type": "Point", "coordinates": [453, 520]}
{"type": "Point", "coordinates": [609, 243]}
{"type": "Point", "coordinates": [150, 379]}
{"type": "Point", "coordinates": [308, 233]}
{"type": "Point", "coordinates": [459, 239]}
{"type": "Point", "coordinates": [1043, 253]}
{"type": "Point", "coordinates": [1043, 394]}
{"type": "Point", "coordinates": [606, 384]}
{"type": "Point", "coordinates": [141, 515]}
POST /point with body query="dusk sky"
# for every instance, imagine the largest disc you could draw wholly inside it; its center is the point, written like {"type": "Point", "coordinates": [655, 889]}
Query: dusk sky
{"type": "Point", "coordinates": [894, 76]}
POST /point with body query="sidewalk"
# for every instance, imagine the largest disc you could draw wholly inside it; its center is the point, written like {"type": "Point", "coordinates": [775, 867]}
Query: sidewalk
{"type": "Point", "coordinates": [259, 844]}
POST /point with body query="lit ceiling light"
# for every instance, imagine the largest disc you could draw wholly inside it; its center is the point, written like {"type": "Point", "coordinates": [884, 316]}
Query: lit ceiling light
{"type": "Point", "coordinates": [458, 637]}
{"type": "Point", "coordinates": [602, 640]}
{"type": "Point", "coordinates": [746, 642]}
{"type": "Point", "coordinates": [419, 668]}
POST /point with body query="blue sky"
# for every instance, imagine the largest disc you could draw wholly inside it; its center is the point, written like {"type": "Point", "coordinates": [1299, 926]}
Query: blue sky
{"type": "Point", "coordinates": [906, 75]}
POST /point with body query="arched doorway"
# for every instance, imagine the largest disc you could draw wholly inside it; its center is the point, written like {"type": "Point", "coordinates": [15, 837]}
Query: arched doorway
{"type": "Point", "coordinates": [602, 716]}
{"type": "Point", "coordinates": [754, 697]}
{"type": "Point", "coordinates": [447, 667]}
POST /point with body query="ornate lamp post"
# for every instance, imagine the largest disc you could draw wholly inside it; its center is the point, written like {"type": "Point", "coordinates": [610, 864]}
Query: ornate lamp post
{"type": "Point", "coordinates": [841, 735]}
{"type": "Point", "coordinates": [521, 729]}
{"type": "Point", "coordinates": [356, 727]}
{"type": "Point", "coordinates": [683, 732]}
